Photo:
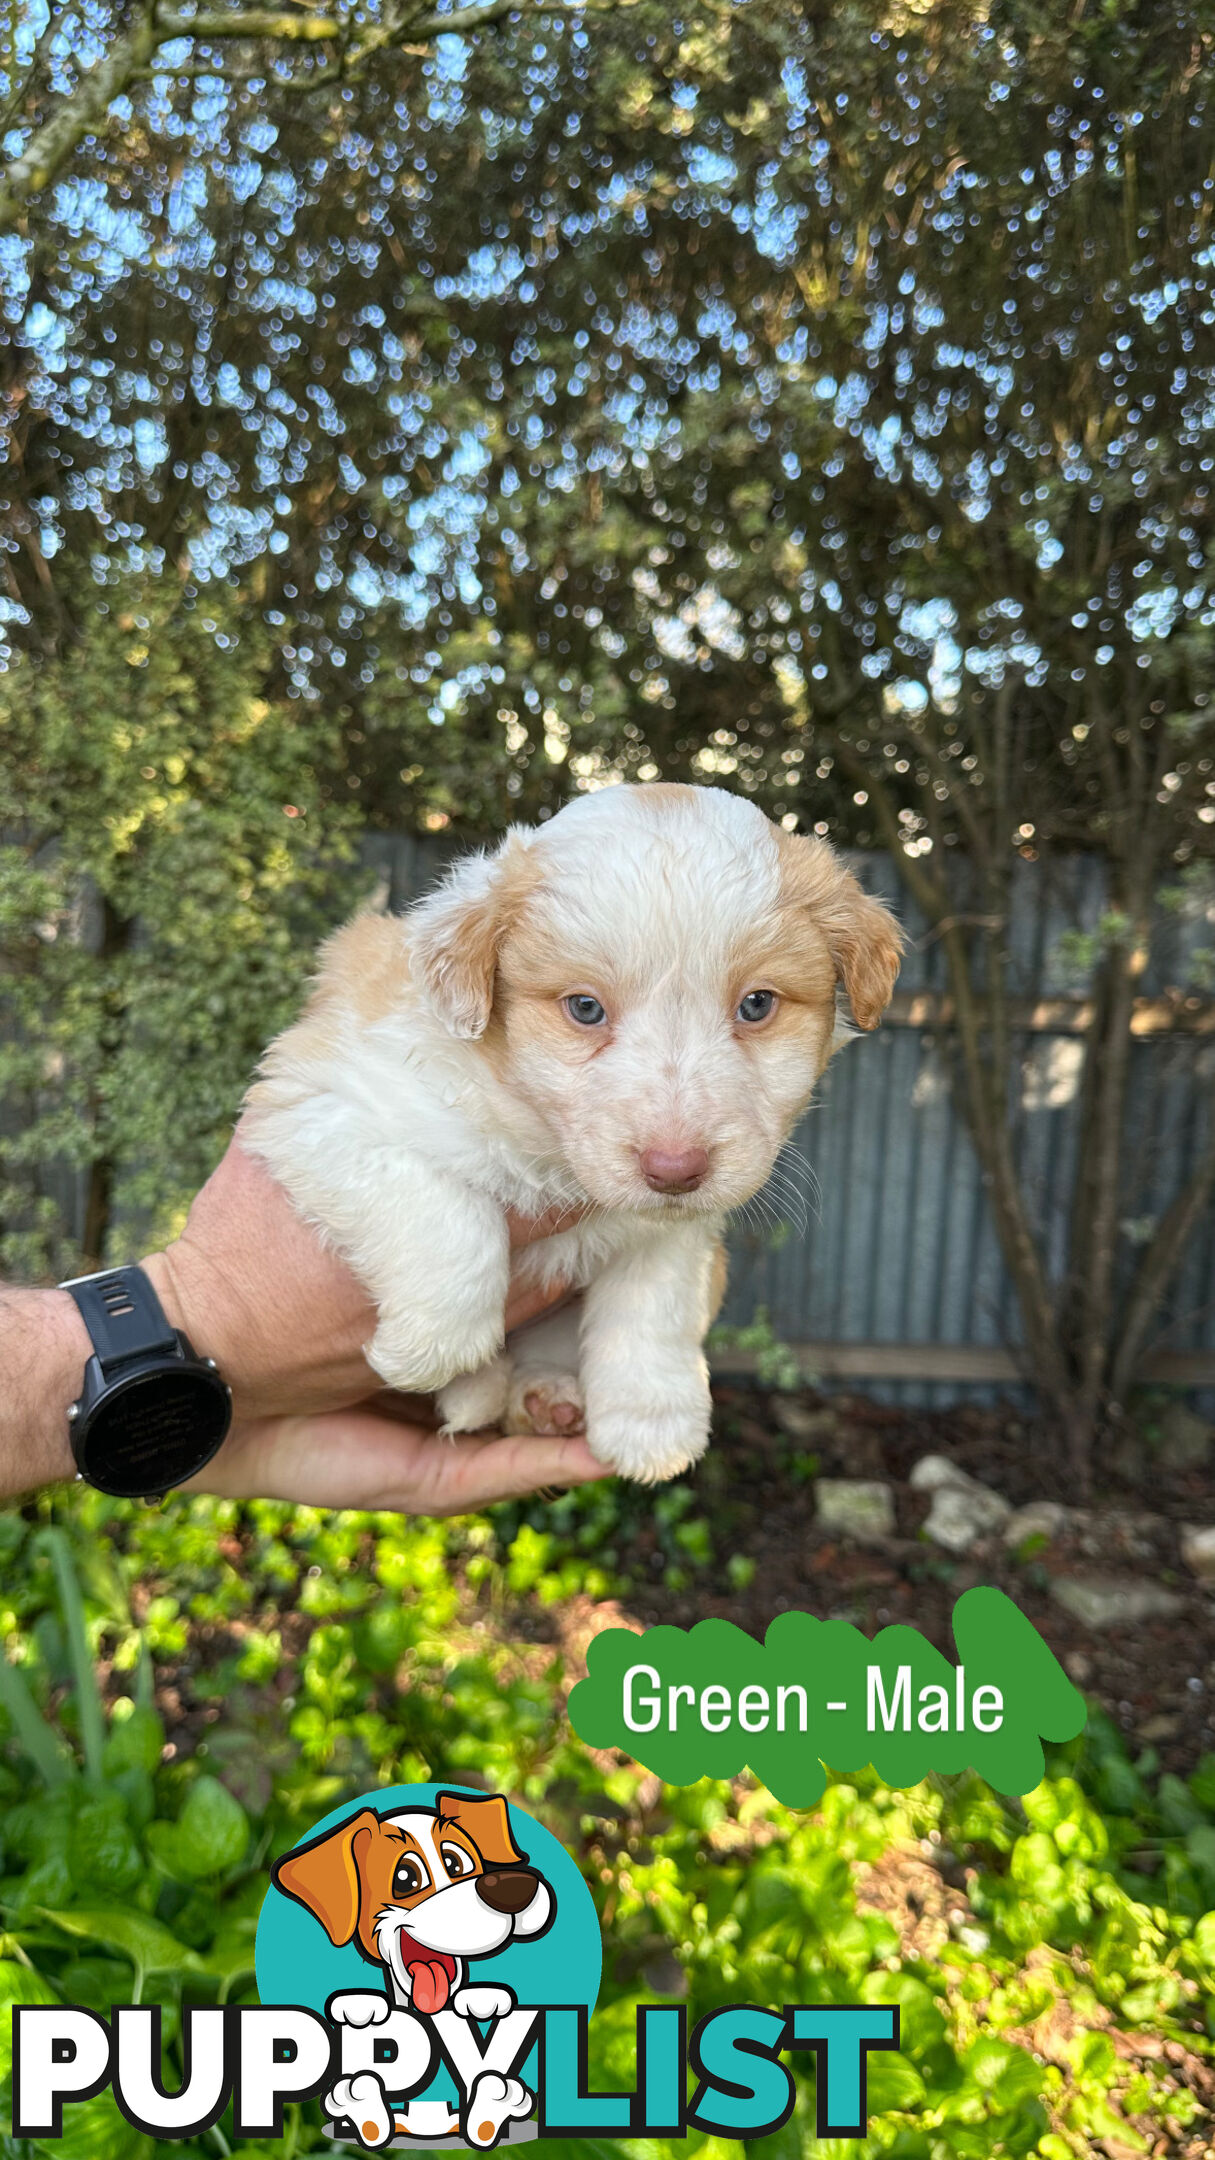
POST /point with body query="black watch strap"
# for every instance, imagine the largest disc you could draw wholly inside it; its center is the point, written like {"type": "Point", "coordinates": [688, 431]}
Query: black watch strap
{"type": "Point", "coordinates": [123, 1315]}
{"type": "Point", "coordinates": [151, 1413]}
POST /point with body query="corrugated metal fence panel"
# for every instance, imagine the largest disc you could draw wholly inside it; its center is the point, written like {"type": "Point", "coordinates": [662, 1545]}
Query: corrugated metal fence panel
{"type": "Point", "coordinates": [901, 1246]}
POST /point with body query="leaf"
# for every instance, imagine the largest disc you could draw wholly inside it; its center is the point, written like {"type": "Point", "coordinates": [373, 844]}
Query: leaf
{"type": "Point", "coordinates": [893, 2083]}
{"type": "Point", "coordinates": [135, 1742]}
{"type": "Point", "coordinates": [215, 1827]}
{"type": "Point", "coordinates": [1008, 2074]}
{"type": "Point", "coordinates": [103, 1855]}
{"type": "Point", "coordinates": [18, 1984]}
{"type": "Point", "coordinates": [231, 1958]}
{"type": "Point", "coordinates": [88, 1697]}
{"type": "Point", "coordinates": [1203, 1940]}
{"type": "Point", "coordinates": [38, 1737]}
{"type": "Point", "coordinates": [148, 1945]}
{"type": "Point", "coordinates": [97, 2130]}
{"type": "Point", "coordinates": [210, 1837]}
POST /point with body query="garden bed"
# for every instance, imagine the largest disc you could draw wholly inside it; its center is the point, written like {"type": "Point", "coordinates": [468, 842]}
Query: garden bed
{"type": "Point", "coordinates": [757, 1491]}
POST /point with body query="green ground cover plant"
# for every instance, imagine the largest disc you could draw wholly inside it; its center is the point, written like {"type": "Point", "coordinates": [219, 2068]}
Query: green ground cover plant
{"type": "Point", "coordinates": [184, 1691]}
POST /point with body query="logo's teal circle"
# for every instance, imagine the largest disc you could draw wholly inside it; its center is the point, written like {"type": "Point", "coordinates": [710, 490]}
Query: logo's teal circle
{"type": "Point", "coordinates": [297, 1963]}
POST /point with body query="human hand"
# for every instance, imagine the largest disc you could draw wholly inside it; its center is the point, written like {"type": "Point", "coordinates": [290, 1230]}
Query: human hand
{"type": "Point", "coordinates": [380, 1455]}
{"type": "Point", "coordinates": [254, 1287]}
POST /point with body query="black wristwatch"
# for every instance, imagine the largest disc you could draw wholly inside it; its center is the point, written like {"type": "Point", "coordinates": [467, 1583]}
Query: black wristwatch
{"type": "Point", "coordinates": [151, 1412]}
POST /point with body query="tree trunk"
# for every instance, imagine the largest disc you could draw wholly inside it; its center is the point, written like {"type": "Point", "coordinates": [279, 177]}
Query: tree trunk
{"type": "Point", "coordinates": [116, 935]}
{"type": "Point", "coordinates": [982, 1099]}
{"type": "Point", "coordinates": [1156, 1270]}
{"type": "Point", "coordinates": [1094, 1242]}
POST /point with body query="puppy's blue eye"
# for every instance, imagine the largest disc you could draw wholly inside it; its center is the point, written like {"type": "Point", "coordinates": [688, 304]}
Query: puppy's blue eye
{"type": "Point", "coordinates": [756, 1005]}
{"type": "Point", "coordinates": [587, 1011]}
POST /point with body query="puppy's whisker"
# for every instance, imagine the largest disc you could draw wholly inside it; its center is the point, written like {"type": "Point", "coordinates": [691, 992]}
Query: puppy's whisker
{"type": "Point", "coordinates": [790, 1196]}
{"type": "Point", "coordinates": [793, 1176]}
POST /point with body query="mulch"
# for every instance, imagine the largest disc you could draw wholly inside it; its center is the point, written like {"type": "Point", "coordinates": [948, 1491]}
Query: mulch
{"type": "Point", "coordinates": [756, 1487]}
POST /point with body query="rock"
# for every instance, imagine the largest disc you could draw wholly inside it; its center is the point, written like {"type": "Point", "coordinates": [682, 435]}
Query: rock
{"type": "Point", "coordinates": [962, 1510]}
{"type": "Point", "coordinates": [1164, 1726]}
{"type": "Point", "coordinates": [1042, 1518]}
{"type": "Point", "coordinates": [958, 1519]}
{"type": "Point", "coordinates": [664, 1975]}
{"type": "Point", "coordinates": [1185, 1439]}
{"type": "Point", "coordinates": [1107, 1601]}
{"type": "Point", "coordinates": [972, 1938]}
{"type": "Point", "coordinates": [1079, 1667]}
{"type": "Point", "coordinates": [800, 1420]}
{"type": "Point", "coordinates": [933, 1473]}
{"type": "Point", "coordinates": [1198, 1550]}
{"type": "Point", "coordinates": [1116, 1535]}
{"type": "Point", "coordinates": [861, 1508]}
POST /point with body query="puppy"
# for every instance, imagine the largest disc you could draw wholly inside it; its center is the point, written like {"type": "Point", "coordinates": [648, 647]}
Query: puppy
{"type": "Point", "coordinates": [624, 1010]}
{"type": "Point", "coordinates": [421, 1892]}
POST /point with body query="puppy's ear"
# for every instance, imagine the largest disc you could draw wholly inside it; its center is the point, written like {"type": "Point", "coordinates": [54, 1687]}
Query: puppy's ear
{"type": "Point", "coordinates": [863, 937]}
{"type": "Point", "coordinates": [456, 932]}
{"type": "Point", "coordinates": [324, 1876]}
{"type": "Point", "coordinates": [486, 1822]}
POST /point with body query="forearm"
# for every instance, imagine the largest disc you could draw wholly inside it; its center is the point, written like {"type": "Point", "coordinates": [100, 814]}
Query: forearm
{"type": "Point", "coordinates": [43, 1350]}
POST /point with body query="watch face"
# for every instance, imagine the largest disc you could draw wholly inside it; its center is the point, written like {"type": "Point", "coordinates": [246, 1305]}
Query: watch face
{"type": "Point", "coordinates": [154, 1430]}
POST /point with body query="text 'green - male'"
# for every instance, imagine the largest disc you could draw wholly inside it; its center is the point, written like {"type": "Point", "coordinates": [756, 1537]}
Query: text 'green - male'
{"type": "Point", "coordinates": [711, 1701]}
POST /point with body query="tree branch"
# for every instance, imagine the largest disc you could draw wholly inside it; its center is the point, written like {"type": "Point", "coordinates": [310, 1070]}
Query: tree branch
{"type": "Point", "coordinates": [81, 112]}
{"type": "Point", "coordinates": [53, 25]}
{"type": "Point", "coordinates": [130, 61]}
{"type": "Point", "coordinates": [1157, 1268]}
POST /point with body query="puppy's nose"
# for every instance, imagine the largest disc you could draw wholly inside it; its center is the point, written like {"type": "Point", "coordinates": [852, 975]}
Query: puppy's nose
{"type": "Point", "coordinates": [674, 1170]}
{"type": "Point", "coordinates": [507, 1890]}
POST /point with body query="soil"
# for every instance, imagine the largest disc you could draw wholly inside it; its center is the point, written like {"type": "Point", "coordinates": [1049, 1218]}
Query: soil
{"type": "Point", "coordinates": [756, 1487]}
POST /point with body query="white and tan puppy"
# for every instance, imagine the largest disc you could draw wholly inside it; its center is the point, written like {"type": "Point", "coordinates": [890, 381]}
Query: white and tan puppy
{"type": "Point", "coordinates": [624, 1010]}
{"type": "Point", "coordinates": [422, 1893]}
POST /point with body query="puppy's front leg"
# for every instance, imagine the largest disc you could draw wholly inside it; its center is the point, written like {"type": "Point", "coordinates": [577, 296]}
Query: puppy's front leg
{"type": "Point", "coordinates": [432, 1252]}
{"type": "Point", "coordinates": [435, 1254]}
{"type": "Point", "coordinates": [643, 1368]}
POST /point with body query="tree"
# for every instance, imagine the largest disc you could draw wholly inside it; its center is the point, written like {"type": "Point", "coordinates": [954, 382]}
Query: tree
{"type": "Point", "coordinates": [86, 70]}
{"type": "Point", "coordinates": [815, 399]}
{"type": "Point", "coordinates": [170, 856]}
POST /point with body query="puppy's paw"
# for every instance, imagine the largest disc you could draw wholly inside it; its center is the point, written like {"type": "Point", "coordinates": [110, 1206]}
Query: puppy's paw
{"type": "Point", "coordinates": [362, 2100]}
{"type": "Point", "coordinates": [494, 2102]}
{"type": "Point", "coordinates": [542, 1402]}
{"type": "Point", "coordinates": [358, 2007]}
{"type": "Point", "coordinates": [413, 1352]}
{"type": "Point", "coordinates": [650, 1445]}
{"type": "Point", "coordinates": [482, 2002]}
{"type": "Point", "coordinates": [476, 1399]}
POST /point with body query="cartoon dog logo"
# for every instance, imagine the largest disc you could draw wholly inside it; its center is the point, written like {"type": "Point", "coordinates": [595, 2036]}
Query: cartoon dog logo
{"type": "Point", "coordinates": [423, 1893]}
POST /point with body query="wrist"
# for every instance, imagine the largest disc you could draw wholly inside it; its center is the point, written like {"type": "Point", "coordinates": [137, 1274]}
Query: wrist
{"type": "Point", "coordinates": [218, 1321]}
{"type": "Point", "coordinates": [44, 1347]}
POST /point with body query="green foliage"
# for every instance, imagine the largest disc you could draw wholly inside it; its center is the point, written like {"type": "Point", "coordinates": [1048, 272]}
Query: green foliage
{"type": "Point", "coordinates": [1024, 1997]}
{"type": "Point", "coordinates": [170, 853]}
{"type": "Point", "coordinates": [775, 1364]}
{"type": "Point", "coordinates": [752, 391]}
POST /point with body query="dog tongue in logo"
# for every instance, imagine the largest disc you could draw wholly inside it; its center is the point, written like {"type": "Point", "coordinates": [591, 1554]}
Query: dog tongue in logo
{"type": "Point", "coordinates": [431, 1973]}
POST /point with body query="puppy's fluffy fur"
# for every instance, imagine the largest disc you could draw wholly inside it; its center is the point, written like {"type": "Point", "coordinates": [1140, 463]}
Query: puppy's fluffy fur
{"type": "Point", "coordinates": [440, 1076]}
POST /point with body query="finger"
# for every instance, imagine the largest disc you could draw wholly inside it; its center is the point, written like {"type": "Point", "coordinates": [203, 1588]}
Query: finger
{"type": "Point", "coordinates": [484, 1471]}
{"type": "Point", "coordinates": [529, 1229]}
{"type": "Point", "coordinates": [526, 1301]}
{"type": "Point", "coordinates": [361, 1459]}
